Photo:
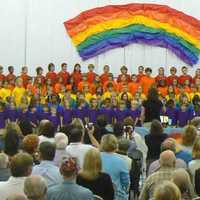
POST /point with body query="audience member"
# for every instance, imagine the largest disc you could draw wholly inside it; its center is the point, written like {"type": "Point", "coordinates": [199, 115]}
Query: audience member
{"type": "Point", "coordinates": [115, 166]}
{"type": "Point", "coordinates": [92, 177]}
{"type": "Point", "coordinates": [167, 166]}
{"type": "Point", "coordinates": [168, 144]}
{"type": "Point", "coordinates": [76, 148]}
{"type": "Point", "coordinates": [4, 169]}
{"type": "Point", "coordinates": [69, 189]}
{"type": "Point", "coordinates": [20, 167]}
{"type": "Point", "coordinates": [61, 141]}
{"type": "Point", "coordinates": [17, 197]}
{"type": "Point", "coordinates": [47, 168]}
{"type": "Point", "coordinates": [182, 179]}
{"type": "Point", "coordinates": [35, 188]}
{"type": "Point", "coordinates": [167, 191]}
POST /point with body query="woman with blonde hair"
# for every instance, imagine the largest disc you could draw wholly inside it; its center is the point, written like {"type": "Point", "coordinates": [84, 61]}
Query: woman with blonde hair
{"type": "Point", "coordinates": [92, 177]}
{"type": "Point", "coordinates": [115, 166]}
{"type": "Point", "coordinates": [167, 191]}
{"type": "Point", "coordinates": [188, 137]}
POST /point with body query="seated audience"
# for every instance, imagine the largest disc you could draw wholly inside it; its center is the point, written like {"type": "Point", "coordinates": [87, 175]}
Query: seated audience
{"type": "Point", "coordinates": [69, 189]}
{"type": "Point", "coordinates": [35, 188]}
{"type": "Point", "coordinates": [92, 177]}
{"type": "Point", "coordinates": [20, 167]}
{"type": "Point", "coordinates": [168, 144]}
{"type": "Point", "coordinates": [76, 148]}
{"type": "Point", "coordinates": [47, 168]}
{"type": "Point", "coordinates": [61, 141]}
{"type": "Point", "coordinates": [195, 163]}
{"type": "Point", "coordinates": [167, 191]}
{"type": "Point", "coordinates": [154, 140]}
{"type": "Point", "coordinates": [4, 167]}
{"type": "Point", "coordinates": [167, 166]}
{"type": "Point", "coordinates": [115, 166]}
{"type": "Point", "coordinates": [182, 179]}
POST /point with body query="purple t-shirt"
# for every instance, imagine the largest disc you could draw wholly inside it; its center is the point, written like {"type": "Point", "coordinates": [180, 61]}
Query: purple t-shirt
{"type": "Point", "coordinates": [79, 113]}
{"type": "Point", "coordinates": [11, 114]}
{"type": "Point", "coordinates": [183, 117]}
{"type": "Point", "coordinates": [134, 113]}
{"type": "Point", "coordinates": [55, 120]}
{"type": "Point", "coordinates": [120, 115]}
{"type": "Point", "coordinates": [172, 114]}
{"type": "Point", "coordinates": [2, 119]}
{"type": "Point", "coordinates": [93, 114]}
{"type": "Point", "coordinates": [67, 115]}
{"type": "Point", "coordinates": [44, 115]}
{"type": "Point", "coordinates": [22, 115]}
{"type": "Point", "coordinates": [33, 117]}
{"type": "Point", "coordinates": [109, 114]}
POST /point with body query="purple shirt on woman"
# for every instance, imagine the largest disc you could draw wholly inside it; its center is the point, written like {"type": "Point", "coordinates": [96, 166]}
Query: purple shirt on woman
{"type": "Point", "coordinates": [92, 115]}
{"type": "Point", "coordinates": [33, 117]}
{"type": "Point", "coordinates": [120, 115]}
{"type": "Point", "coordinates": [67, 115]}
{"type": "Point", "coordinates": [109, 113]}
{"type": "Point", "coordinates": [55, 120]}
{"type": "Point", "coordinates": [134, 113]}
{"type": "Point", "coordinates": [11, 114]}
{"type": "Point", "coordinates": [79, 113]}
{"type": "Point", "coordinates": [183, 117]}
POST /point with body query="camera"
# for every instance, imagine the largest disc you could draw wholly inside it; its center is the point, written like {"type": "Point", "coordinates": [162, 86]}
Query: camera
{"type": "Point", "coordinates": [89, 125]}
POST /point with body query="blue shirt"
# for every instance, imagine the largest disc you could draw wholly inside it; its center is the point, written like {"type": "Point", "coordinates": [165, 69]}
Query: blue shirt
{"type": "Point", "coordinates": [49, 171]}
{"type": "Point", "coordinates": [69, 190]}
{"type": "Point", "coordinates": [118, 171]}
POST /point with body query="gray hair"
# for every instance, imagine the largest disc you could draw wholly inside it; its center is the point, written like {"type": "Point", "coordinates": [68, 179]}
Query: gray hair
{"type": "Point", "coordinates": [3, 161]}
{"type": "Point", "coordinates": [61, 140]}
{"type": "Point", "coordinates": [167, 159]}
{"type": "Point", "coordinates": [35, 187]}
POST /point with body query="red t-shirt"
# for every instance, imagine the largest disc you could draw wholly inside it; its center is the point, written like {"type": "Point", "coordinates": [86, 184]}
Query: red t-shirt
{"type": "Point", "coordinates": [2, 77]}
{"type": "Point", "coordinates": [104, 78]}
{"type": "Point", "coordinates": [139, 77]}
{"type": "Point", "coordinates": [183, 78]}
{"type": "Point", "coordinates": [77, 77]}
{"type": "Point", "coordinates": [128, 78]}
{"type": "Point", "coordinates": [65, 76]}
{"type": "Point", "coordinates": [52, 76]}
{"type": "Point", "coordinates": [25, 78]}
{"type": "Point", "coordinates": [171, 78]}
{"type": "Point", "coordinates": [159, 78]}
{"type": "Point", "coordinates": [91, 77]}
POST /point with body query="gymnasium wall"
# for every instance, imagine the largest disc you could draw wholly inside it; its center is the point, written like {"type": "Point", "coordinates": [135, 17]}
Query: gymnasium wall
{"type": "Point", "coordinates": [32, 33]}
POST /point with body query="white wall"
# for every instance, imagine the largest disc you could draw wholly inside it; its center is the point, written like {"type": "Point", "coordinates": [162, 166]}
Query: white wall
{"type": "Point", "coordinates": [32, 33]}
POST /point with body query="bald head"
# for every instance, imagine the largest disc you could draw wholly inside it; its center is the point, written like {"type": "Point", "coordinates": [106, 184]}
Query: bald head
{"type": "Point", "coordinates": [35, 187]}
{"type": "Point", "coordinates": [17, 197]}
{"type": "Point", "coordinates": [167, 159]}
{"type": "Point", "coordinates": [169, 144]}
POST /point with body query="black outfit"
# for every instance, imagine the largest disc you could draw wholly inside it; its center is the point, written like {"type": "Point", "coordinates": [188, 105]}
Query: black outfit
{"type": "Point", "coordinates": [153, 143]}
{"type": "Point", "coordinates": [101, 186]}
{"type": "Point", "coordinates": [152, 110]}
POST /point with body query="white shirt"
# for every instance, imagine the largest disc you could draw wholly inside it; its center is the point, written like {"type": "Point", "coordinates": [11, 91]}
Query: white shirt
{"type": "Point", "coordinates": [14, 185]}
{"type": "Point", "coordinates": [78, 150]}
{"type": "Point", "coordinates": [43, 138]}
{"type": "Point", "coordinates": [193, 166]}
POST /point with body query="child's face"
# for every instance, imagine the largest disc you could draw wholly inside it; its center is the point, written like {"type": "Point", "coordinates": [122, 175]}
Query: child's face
{"type": "Point", "coordinates": [134, 78]}
{"type": "Point", "coordinates": [140, 69]}
{"type": "Point", "coordinates": [53, 111]}
{"type": "Point", "coordinates": [184, 70]}
{"type": "Point", "coordinates": [134, 104]}
{"type": "Point", "coordinates": [175, 82]}
{"type": "Point", "coordinates": [183, 107]}
{"type": "Point", "coordinates": [172, 71]}
{"type": "Point", "coordinates": [161, 71]}
{"type": "Point", "coordinates": [106, 69]}
{"type": "Point", "coordinates": [64, 68]}
{"type": "Point", "coordinates": [125, 97]}
{"type": "Point", "coordinates": [11, 70]}
{"type": "Point", "coordinates": [170, 89]}
{"type": "Point", "coordinates": [67, 105]}
{"type": "Point", "coordinates": [94, 103]}
{"type": "Point", "coordinates": [77, 68]}
{"type": "Point", "coordinates": [185, 100]}
{"type": "Point", "coordinates": [122, 106]}
{"type": "Point", "coordinates": [25, 70]}
{"type": "Point", "coordinates": [90, 68]}
{"type": "Point", "coordinates": [139, 89]}
{"type": "Point", "coordinates": [33, 109]}
{"type": "Point", "coordinates": [52, 69]}
{"type": "Point", "coordinates": [46, 109]}
{"type": "Point", "coordinates": [110, 78]}
{"type": "Point", "coordinates": [40, 72]}
{"type": "Point", "coordinates": [124, 71]}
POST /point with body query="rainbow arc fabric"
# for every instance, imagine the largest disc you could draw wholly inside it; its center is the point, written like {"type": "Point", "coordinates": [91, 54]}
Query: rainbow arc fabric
{"type": "Point", "coordinates": [100, 29]}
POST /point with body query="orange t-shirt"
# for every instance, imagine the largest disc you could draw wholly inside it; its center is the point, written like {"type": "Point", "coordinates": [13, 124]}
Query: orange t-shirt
{"type": "Point", "coordinates": [2, 77]}
{"type": "Point", "coordinates": [104, 78]}
{"type": "Point", "coordinates": [65, 76]}
{"type": "Point", "coordinates": [147, 83]}
{"type": "Point", "coordinates": [187, 89]}
{"type": "Point", "coordinates": [163, 91]}
{"type": "Point", "coordinates": [10, 78]}
{"type": "Point", "coordinates": [52, 76]}
{"type": "Point", "coordinates": [132, 87]}
{"type": "Point", "coordinates": [91, 77]}
{"type": "Point", "coordinates": [25, 78]}
{"type": "Point", "coordinates": [77, 77]}
{"type": "Point", "coordinates": [115, 85]}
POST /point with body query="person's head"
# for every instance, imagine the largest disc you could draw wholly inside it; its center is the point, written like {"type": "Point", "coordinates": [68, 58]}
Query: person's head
{"type": "Point", "coordinates": [26, 127]}
{"type": "Point", "coordinates": [156, 127]}
{"type": "Point", "coordinates": [170, 103]}
{"type": "Point", "coordinates": [93, 103]}
{"type": "Point", "coordinates": [39, 70]}
{"type": "Point", "coordinates": [101, 121]}
{"type": "Point", "coordinates": [47, 129]}
{"type": "Point", "coordinates": [161, 71]}
{"type": "Point", "coordinates": [64, 67]}
{"type": "Point", "coordinates": [106, 68]}
{"type": "Point", "coordinates": [124, 96]}
{"type": "Point", "coordinates": [47, 151]}
{"type": "Point", "coordinates": [189, 135]}
{"type": "Point", "coordinates": [134, 104]}
{"type": "Point", "coordinates": [167, 159]}
{"type": "Point", "coordinates": [122, 105]}
{"type": "Point", "coordinates": [184, 70]}
{"type": "Point", "coordinates": [77, 67]}
{"type": "Point", "coordinates": [92, 164]}
{"type": "Point", "coordinates": [21, 165]}
{"type": "Point", "coordinates": [51, 67]}
{"type": "Point", "coordinates": [124, 70]}
{"type": "Point", "coordinates": [24, 69]}
{"type": "Point", "coordinates": [148, 71]}
{"type": "Point", "coordinates": [19, 82]}
{"type": "Point", "coordinates": [109, 143]}
{"type": "Point", "coordinates": [35, 187]}
{"type": "Point", "coordinates": [4, 160]}
{"type": "Point", "coordinates": [12, 142]}
{"type": "Point", "coordinates": [140, 69]}
{"type": "Point", "coordinates": [61, 140]}
{"type": "Point", "coordinates": [134, 78]}
{"type": "Point", "coordinates": [169, 144]}
{"type": "Point", "coordinates": [196, 149]}
{"type": "Point", "coordinates": [123, 145]}
{"type": "Point", "coordinates": [152, 94]}
{"type": "Point", "coordinates": [167, 191]}
{"type": "Point", "coordinates": [11, 69]}
{"type": "Point", "coordinates": [76, 135]}
{"type": "Point", "coordinates": [30, 143]}
{"type": "Point", "coordinates": [182, 180]}
{"type": "Point", "coordinates": [118, 129]}
{"type": "Point", "coordinates": [173, 70]}
{"type": "Point", "coordinates": [90, 67]}
{"type": "Point", "coordinates": [69, 168]}
{"type": "Point", "coordinates": [195, 122]}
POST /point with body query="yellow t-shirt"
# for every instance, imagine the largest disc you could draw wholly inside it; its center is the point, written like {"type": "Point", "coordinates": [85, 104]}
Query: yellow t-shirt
{"type": "Point", "coordinates": [4, 93]}
{"type": "Point", "coordinates": [18, 93]}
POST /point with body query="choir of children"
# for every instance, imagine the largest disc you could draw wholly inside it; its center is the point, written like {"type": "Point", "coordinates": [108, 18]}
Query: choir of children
{"type": "Point", "coordinates": [60, 97]}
